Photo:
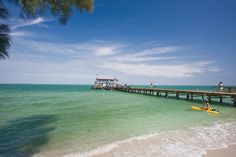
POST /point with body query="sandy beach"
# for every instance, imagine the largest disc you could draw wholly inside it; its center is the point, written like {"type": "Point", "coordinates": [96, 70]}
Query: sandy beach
{"type": "Point", "coordinates": [223, 152]}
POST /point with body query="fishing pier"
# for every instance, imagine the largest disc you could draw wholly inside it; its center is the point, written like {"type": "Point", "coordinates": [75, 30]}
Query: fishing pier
{"type": "Point", "coordinates": [188, 94]}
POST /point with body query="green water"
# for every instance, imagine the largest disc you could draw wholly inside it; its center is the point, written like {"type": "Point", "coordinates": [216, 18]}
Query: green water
{"type": "Point", "coordinates": [43, 118]}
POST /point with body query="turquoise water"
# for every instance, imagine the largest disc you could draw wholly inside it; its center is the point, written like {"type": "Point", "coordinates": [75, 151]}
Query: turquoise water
{"type": "Point", "coordinates": [60, 119]}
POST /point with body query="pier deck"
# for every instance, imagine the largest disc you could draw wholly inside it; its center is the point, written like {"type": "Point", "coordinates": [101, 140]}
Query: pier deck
{"type": "Point", "coordinates": [190, 94]}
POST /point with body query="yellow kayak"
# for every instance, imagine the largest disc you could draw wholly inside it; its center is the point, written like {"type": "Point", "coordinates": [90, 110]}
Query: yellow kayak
{"type": "Point", "coordinates": [210, 110]}
{"type": "Point", "coordinates": [197, 108]}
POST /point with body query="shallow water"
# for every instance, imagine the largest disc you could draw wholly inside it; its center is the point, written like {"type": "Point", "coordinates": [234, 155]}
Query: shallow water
{"type": "Point", "coordinates": [56, 120]}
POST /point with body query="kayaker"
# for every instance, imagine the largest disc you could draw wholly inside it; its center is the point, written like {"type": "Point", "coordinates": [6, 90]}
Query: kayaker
{"type": "Point", "coordinates": [208, 106]}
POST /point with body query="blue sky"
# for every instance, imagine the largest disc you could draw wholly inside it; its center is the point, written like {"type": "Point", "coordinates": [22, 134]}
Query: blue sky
{"type": "Point", "coordinates": [184, 42]}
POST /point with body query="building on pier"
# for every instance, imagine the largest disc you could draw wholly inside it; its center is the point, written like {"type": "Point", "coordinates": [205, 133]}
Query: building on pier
{"type": "Point", "coordinates": [105, 83]}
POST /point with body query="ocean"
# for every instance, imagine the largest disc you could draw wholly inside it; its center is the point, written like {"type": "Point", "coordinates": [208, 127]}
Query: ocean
{"type": "Point", "coordinates": [74, 120]}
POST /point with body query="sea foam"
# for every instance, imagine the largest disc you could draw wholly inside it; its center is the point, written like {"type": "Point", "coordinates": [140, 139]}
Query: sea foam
{"type": "Point", "coordinates": [190, 142]}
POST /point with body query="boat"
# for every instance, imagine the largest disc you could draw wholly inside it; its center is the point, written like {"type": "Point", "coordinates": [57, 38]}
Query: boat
{"type": "Point", "coordinates": [199, 108]}
{"type": "Point", "coordinates": [210, 110]}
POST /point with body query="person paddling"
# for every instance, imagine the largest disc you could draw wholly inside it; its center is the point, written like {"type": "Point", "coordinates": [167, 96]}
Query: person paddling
{"type": "Point", "coordinates": [208, 106]}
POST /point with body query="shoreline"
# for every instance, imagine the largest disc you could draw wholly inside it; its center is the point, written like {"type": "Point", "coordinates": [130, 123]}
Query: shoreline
{"type": "Point", "coordinates": [229, 151]}
{"type": "Point", "coordinates": [172, 143]}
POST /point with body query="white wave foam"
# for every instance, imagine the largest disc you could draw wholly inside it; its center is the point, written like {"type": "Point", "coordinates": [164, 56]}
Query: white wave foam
{"type": "Point", "coordinates": [104, 149]}
{"type": "Point", "coordinates": [191, 142]}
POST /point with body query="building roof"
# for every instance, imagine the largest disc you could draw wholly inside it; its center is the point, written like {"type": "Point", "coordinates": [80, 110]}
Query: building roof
{"type": "Point", "coordinates": [106, 79]}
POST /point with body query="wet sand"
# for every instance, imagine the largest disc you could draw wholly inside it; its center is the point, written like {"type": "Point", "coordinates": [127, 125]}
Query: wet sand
{"type": "Point", "coordinates": [223, 152]}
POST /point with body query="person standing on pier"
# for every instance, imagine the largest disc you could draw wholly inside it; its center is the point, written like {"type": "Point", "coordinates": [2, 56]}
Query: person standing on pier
{"type": "Point", "coordinates": [221, 86]}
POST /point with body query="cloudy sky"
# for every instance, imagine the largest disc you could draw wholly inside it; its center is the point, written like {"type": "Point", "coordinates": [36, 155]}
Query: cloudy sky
{"type": "Point", "coordinates": [168, 42]}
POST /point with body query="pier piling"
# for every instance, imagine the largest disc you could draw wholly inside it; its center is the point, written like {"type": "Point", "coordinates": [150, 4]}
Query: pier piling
{"type": "Point", "coordinates": [209, 98]}
{"type": "Point", "coordinates": [221, 100]}
{"type": "Point", "coordinates": [187, 96]}
{"type": "Point", "coordinates": [191, 97]}
{"type": "Point", "coordinates": [177, 95]}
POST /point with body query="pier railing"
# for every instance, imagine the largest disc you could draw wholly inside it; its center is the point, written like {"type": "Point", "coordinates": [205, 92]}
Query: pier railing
{"type": "Point", "coordinates": [190, 94]}
{"type": "Point", "coordinates": [225, 89]}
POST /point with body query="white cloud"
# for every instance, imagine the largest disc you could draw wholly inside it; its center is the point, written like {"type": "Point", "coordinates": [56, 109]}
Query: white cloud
{"type": "Point", "coordinates": [36, 21]}
{"type": "Point", "coordinates": [130, 58]}
{"type": "Point", "coordinates": [114, 50]}
{"type": "Point", "coordinates": [20, 70]}
{"type": "Point", "coordinates": [82, 61]}
{"type": "Point", "coordinates": [20, 34]}
{"type": "Point", "coordinates": [163, 70]}
{"type": "Point", "coordinates": [151, 54]}
{"type": "Point", "coordinates": [96, 48]}
{"type": "Point", "coordinates": [157, 50]}
{"type": "Point", "coordinates": [105, 51]}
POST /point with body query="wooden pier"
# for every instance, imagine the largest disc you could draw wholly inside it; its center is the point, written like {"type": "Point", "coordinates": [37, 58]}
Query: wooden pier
{"type": "Point", "coordinates": [188, 94]}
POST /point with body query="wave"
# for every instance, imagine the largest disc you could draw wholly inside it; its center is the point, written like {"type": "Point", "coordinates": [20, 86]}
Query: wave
{"type": "Point", "coordinates": [190, 142]}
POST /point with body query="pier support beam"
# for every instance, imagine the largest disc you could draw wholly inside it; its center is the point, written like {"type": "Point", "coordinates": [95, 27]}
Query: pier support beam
{"type": "Point", "coordinates": [234, 100]}
{"type": "Point", "coordinates": [187, 96]}
{"type": "Point", "coordinates": [166, 94]}
{"type": "Point", "coordinates": [177, 95]}
{"type": "Point", "coordinates": [209, 98]}
{"type": "Point", "coordinates": [191, 97]}
{"type": "Point", "coordinates": [221, 100]}
{"type": "Point", "coordinates": [203, 98]}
